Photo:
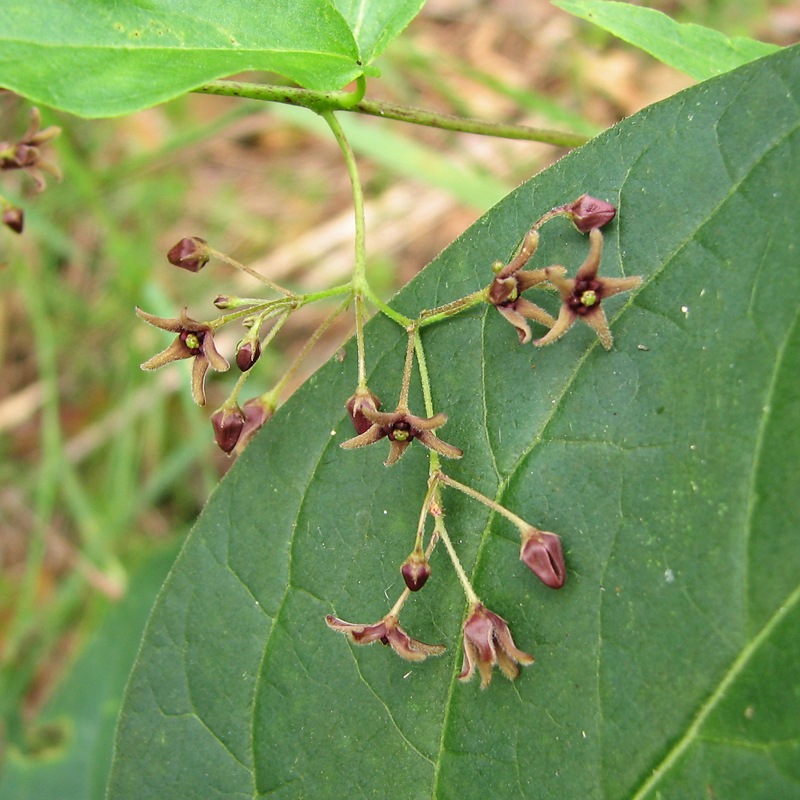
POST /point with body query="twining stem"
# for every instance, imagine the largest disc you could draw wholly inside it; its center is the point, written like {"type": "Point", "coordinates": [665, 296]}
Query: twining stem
{"type": "Point", "coordinates": [344, 101]}
{"type": "Point", "coordinates": [250, 271]}
{"type": "Point", "coordinates": [468, 490]}
{"type": "Point", "coordinates": [359, 267]}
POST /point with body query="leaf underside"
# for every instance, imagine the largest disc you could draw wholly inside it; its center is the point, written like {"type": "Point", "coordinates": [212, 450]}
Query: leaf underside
{"type": "Point", "coordinates": [666, 667]}
{"type": "Point", "coordinates": [698, 51]}
{"type": "Point", "coordinates": [99, 59]}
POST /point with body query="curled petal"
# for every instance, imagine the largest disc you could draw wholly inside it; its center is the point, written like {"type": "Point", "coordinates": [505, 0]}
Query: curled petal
{"type": "Point", "coordinates": [175, 352]}
{"type": "Point", "coordinates": [174, 325]}
{"type": "Point", "coordinates": [566, 318]}
{"type": "Point", "coordinates": [588, 270]}
{"type": "Point", "coordinates": [218, 362]}
{"type": "Point", "coordinates": [388, 632]}
{"type": "Point", "coordinates": [433, 442]}
{"type": "Point", "coordinates": [373, 434]}
{"type": "Point", "coordinates": [383, 418]}
{"type": "Point", "coordinates": [518, 321]}
{"type": "Point", "coordinates": [612, 286]}
{"type": "Point", "coordinates": [596, 318]}
{"type": "Point", "coordinates": [532, 311]}
{"type": "Point", "coordinates": [564, 285]}
{"type": "Point", "coordinates": [199, 369]}
{"type": "Point", "coordinates": [396, 449]}
{"type": "Point", "coordinates": [422, 424]}
{"type": "Point", "coordinates": [525, 279]}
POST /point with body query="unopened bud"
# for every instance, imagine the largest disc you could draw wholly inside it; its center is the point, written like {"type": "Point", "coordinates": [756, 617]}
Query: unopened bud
{"type": "Point", "coordinates": [541, 552]}
{"type": "Point", "coordinates": [224, 301]}
{"type": "Point", "coordinates": [228, 422]}
{"type": "Point", "coordinates": [13, 218]}
{"type": "Point", "coordinates": [588, 213]}
{"type": "Point", "coordinates": [189, 253]}
{"type": "Point", "coordinates": [415, 571]}
{"type": "Point", "coordinates": [247, 354]}
{"type": "Point", "coordinates": [363, 398]}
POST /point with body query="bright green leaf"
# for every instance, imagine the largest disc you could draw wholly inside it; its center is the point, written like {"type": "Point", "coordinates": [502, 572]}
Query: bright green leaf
{"type": "Point", "coordinates": [376, 22]}
{"type": "Point", "coordinates": [669, 467]}
{"type": "Point", "coordinates": [100, 59]}
{"type": "Point", "coordinates": [77, 724]}
{"type": "Point", "coordinates": [697, 51]}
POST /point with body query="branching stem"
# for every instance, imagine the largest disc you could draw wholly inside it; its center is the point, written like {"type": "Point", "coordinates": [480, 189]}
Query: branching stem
{"type": "Point", "coordinates": [323, 102]}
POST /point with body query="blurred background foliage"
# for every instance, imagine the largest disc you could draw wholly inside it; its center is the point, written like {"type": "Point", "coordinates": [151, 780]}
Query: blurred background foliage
{"type": "Point", "coordinates": [103, 468]}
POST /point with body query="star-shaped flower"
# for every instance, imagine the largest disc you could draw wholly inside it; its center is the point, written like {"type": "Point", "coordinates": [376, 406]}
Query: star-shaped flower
{"type": "Point", "coordinates": [581, 296]}
{"type": "Point", "coordinates": [387, 631]}
{"type": "Point", "coordinates": [401, 427]}
{"type": "Point", "coordinates": [487, 641]}
{"type": "Point", "coordinates": [509, 284]}
{"type": "Point", "coordinates": [194, 340]}
{"type": "Point", "coordinates": [25, 154]}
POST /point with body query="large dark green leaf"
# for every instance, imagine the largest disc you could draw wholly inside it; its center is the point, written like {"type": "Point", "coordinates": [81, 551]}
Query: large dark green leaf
{"type": "Point", "coordinates": [667, 664]}
{"type": "Point", "coordinates": [101, 59]}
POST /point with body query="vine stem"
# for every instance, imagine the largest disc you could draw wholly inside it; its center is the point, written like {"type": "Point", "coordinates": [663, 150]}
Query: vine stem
{"type": "Point", "coordinates": [325, 102]}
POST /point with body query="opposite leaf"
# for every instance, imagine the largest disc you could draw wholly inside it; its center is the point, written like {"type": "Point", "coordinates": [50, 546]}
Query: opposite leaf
{"type": "Point", "coordinates": [100, 59]}
{"type": "Point", "coordinates": [697, 51]}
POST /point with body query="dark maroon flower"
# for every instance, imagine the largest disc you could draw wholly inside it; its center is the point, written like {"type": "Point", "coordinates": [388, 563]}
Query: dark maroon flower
{"type": "Point", "coordinates": [541, 552]}
{"type": "Point", "coordinates": [190, 253]}
{"type": "Point", "coordinates": [415, 571]}
{"type": "Point", "coordinates": [401, 427]}
{"type": "Point", "coordinates": [363, 398]}
{"type": "Point", "coordinates": [581, 296]}
{"type": "Point", "coordinates": [195, 340]}
{"type": "Point", "coordinates": [14, 218]}
{"type": "Point", "coordinates": [25, 154]}
{"type": "Point", "coordinates": [505, 291]}
{"type": "Point", "coordinates": [227, 421]}
{"type": "Point", "coordinates": [387, 631]}
{"type": "Point", "coordinates": [487, 641]}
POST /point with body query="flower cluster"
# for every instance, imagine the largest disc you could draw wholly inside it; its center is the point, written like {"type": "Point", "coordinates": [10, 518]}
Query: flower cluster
{"type": "Point", "coordinates": [581, 296]}
{"type": "Point", "coordinates": [486, 637]}
{"type": "Point", "coordinates": [26, 154]}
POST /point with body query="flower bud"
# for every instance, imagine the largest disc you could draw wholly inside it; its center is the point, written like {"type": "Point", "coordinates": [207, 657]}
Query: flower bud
{"type": "Point", "coordinates": [247, 354]}
{"type": "Point", "coordinates": [541, 552]}
{"type": "Point", "coordinates": [189, 253]}
{"type": "Point", "coordinates": [363, 398]}
{"type": "Point", "coordinates": [415, 571]}
{"type": "Point", "coordinates": [588, 212]}
{"type": "Point", "coordinates": [228, 422]}
{"type": "Point", "coordinates": [223, 301]}
{"type": "Point", "coordinates": [13, 218]}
